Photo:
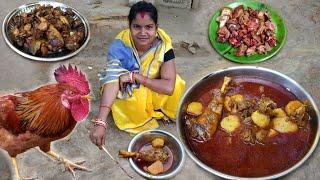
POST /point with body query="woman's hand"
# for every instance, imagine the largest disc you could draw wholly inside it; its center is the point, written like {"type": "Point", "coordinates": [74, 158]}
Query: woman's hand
{"type": "Point", "coordinates": [124, 79]}
{"type": "Point", "coordinates": [98, 135]}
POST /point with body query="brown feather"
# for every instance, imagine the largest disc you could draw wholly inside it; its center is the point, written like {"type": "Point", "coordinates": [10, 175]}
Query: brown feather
{"type": "Point", "coordinates": [42, 112]}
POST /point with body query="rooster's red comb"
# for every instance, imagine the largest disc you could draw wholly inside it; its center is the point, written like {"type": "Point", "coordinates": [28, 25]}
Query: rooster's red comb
{"type": "Point", "coordinates": [72, 77]}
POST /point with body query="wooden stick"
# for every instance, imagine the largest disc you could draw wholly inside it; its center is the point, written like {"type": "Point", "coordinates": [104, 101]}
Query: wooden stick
{"type": "Point", "coordinates": [105, 150]}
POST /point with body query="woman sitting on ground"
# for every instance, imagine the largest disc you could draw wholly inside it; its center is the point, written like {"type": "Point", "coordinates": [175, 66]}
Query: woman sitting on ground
{"type": "Point", "coordinates": [139, 83]}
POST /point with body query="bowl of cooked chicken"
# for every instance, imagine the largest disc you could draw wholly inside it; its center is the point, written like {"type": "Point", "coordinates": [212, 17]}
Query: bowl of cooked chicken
{"type": "Point", "coordinates": [155, 154]}
{"type": "Point", "coordinates": [248, 122]}
{"type": "Point", "coordinates": [46, 31]}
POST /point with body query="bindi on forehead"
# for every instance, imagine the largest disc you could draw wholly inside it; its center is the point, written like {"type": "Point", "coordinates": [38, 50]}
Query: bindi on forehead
{"type": "Point", "coordinates": [142, 13]}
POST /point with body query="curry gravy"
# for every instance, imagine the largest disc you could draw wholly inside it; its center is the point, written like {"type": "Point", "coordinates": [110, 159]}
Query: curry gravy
{"type": "Point", "coordinates": [228, 154]}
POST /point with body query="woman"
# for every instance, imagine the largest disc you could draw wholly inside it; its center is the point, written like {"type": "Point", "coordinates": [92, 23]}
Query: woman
{"type": "Point", "coordinates": [139, 83]}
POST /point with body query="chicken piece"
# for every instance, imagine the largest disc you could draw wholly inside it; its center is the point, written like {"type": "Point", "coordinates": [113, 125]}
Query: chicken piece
{"type": "Point", "coordinates": [14, 33]}
{"type": "Point", "coordinates": [260, 119]}
{"type": "Point", "coordinates": [27, 29]}
{"type": "Point", "coordinates": [44, 49]}
{"type": "Point", "coordinates": [224, 17]}
{"type": "Point", "coordinates": [247, 136]}
{"type": "Point", "coordinates": [261, 49]}
{"type": "Point", "coordinates": [226, 82]}
{"type": "Point", "coordinates": [271, 40]}
{"type": "Point", "coordinates": [242, 50]}
{"type": "Point", "coordinates": [251, 50]}
{"type": "Point", "coordinates": [64, 20]}
{"type": "Point", "coordinates": [231, 102]}
{"type": "Point", "coordinates": [294, 108]}
{"type": "Point", "coordinates": [297, 112]}
{"type": "Point", "coordinates": [248, 30]}
{"type": "Point", "coordinates": [51, 112]}
{"type": "Point", "coordinates": [261, 135]}
{"type": "Point", "coordinates": [55, 39]}
{"type": "Point", "coordinates": [157, 143]}
{"type": "Point", "coordinates": [203, 127]}
{"type": "Point", "coordinates": [151, 155]}
{"type": "Point", "coordinates": [35, 45]}
{"type": "Point", "coordinates": [223, 34]}
{"type": "Point", "coordinates": [195, 108]}
{"type": "Point", "coordinates": [266, 106]}
{"type": "Point", "coordinates": [156, 168]}
{"type": "Point", "coordinates": [43, 26]}
{"type": "Point", "coordinates": [72, 42]}
{"type": "Point", "coordinates": [230, 123]}
{"type": "Point", "coordinates": [238, 11]}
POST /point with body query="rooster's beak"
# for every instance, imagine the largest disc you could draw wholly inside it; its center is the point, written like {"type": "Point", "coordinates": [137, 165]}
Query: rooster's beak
{"type": "Point", "coordinates": [87, 97]}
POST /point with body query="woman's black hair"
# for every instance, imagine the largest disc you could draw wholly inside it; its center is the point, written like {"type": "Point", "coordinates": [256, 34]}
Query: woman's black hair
{"type": "Point", "coordinates": [143, 6]}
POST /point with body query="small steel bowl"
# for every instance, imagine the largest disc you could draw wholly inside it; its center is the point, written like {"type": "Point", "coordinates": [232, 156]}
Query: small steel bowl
{"type": "Point", "coordinates": [171, 141]}
{"type": "Point", "coordinates": [259, 72]}
{"type": "Point", "coordinates": [8, 24]}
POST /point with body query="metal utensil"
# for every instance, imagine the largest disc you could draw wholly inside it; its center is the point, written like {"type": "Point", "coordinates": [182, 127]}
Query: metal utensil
{"type": "Point", "coordinates": [8, 25]}
{"type": "Point", "coordinates": [253, 71]}
{"type": "Point", "coordinates": [117, 162]}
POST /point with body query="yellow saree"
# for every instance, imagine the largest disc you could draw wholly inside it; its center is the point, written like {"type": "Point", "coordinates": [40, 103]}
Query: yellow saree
{"type": "Point", "coordinates": [138, 108]}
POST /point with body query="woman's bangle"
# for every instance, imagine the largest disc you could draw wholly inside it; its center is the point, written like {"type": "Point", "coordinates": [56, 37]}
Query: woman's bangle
{"type": "Point", "coordinates": [133, 77]}
{"type": "Point", "coordinates": [99, 122]}
{"type": "Point", "coordinates": [105, 106]}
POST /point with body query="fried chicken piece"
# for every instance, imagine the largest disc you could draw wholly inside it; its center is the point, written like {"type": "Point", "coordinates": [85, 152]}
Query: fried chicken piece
{"type": "Point", "coordinates": [72, 42]}
{"type": "Point", "coordinates": [55, 39]}
{"type": "Point", "coordinates": [43, 25]}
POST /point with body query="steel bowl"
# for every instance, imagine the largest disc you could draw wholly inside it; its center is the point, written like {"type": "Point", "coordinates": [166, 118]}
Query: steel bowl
{"type": "Point", "coordinates": [272, 76]}
{"type": "Point", "coordinates": [8, 24]}
{"type": "Point", "coordinates": [170, 140]}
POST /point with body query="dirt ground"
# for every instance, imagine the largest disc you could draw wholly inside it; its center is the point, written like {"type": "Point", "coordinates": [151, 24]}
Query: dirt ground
{"type": "Point", "coordinates": [299, 59]}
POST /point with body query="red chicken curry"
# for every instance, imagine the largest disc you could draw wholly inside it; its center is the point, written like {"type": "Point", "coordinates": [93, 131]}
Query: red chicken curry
{"type": "Point", "coordinates": [231, 154]}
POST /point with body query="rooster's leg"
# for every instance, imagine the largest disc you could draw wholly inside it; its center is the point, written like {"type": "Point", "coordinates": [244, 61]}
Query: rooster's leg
{"type": "Point", "coordinates": [67, 163]}
{"type": "Point", "coordinates": [68, 137]}
{"type": "Point", "coordinates": [16, 169]}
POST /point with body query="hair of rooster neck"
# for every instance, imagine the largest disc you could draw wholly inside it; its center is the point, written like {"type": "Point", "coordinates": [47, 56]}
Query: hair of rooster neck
{"type": "Point", "coordinates": [42, 112]}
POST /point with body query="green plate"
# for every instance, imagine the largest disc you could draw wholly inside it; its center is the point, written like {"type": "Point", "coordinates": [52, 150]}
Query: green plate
{"type": "Point", "coordinates": [227, 51]}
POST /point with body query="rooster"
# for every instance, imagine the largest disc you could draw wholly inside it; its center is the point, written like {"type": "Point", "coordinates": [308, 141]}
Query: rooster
{"type": "Point", "coordinates": [38, 117]}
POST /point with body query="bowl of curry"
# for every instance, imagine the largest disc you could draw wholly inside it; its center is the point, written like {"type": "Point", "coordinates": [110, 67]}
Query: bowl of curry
{"type": "Point", "coordinates": [248, 122]}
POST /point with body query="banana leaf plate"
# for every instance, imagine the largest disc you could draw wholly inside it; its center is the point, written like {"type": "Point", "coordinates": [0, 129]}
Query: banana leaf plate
{"type": "Point", "coordinates": [227, 51]}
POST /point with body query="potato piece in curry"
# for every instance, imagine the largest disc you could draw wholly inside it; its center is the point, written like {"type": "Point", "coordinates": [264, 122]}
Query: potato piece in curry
{"type": "Point", "coordinates": [195, 108]}
{"type": "Point", "coordinates": [230, 123]}
{"type": "Point", "coordinates": [260, 119]}
{"type": "Point", "coordinates": [284, 125]}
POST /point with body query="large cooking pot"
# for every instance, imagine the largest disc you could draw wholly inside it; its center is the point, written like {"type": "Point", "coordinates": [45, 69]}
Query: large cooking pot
{"type": "Point", "coordinates": [259, 72]}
